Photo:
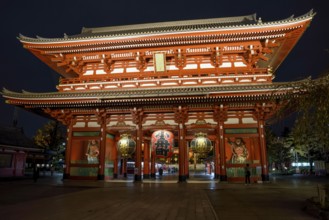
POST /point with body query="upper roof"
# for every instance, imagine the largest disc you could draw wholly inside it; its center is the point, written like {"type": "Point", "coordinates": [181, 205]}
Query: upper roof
{"type": "Point", "coordinates": [256, 45]}
{"type": "Point", "coordinates": [171, 26]}
{"type": "Point", "coordinates": [198, 25]}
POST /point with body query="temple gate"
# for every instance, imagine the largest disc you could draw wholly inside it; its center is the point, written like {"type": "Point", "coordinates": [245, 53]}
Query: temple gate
{"type": "Point", "coordinates": [212, 76]}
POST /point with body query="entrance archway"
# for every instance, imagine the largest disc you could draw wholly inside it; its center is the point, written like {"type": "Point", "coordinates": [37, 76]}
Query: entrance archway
{"type": "Point", "coordinates": [164, 154]}
{"type": "Point", "coordinates": [201, 158]}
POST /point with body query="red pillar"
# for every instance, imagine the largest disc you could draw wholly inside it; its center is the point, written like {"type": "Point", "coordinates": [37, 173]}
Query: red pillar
{"type": "Point", "coordinates": [265, 173]}
{"type": "Point", "coordinates": [124, 167]}
{"type": "Point", "coordinates": [68, 152]}
{"type": "Point", "coordinates": [182, 154]}
{"type": "Point", "coordinates": [146, 171]}
{"type": "Point", "coordinates": [115, 159]}
{"type": "Point", "coordinates": [152, 165]}
{"type": "Point", "coordinates": [101, 166]}
{"type": "Point", "coordinates": [186, 161]}
{"type": "Point", "coordinates": [220, 115]}
{"type": "Point", "coordinates": [223, 175]}
{"type": "Point", "coordinates": [138, 165]}
{"type": "Point", "coordinates": [217, 159]}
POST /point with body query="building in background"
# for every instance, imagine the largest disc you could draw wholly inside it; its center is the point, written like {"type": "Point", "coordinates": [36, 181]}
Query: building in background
{"type": "Point", "coordinates": [17, 153]}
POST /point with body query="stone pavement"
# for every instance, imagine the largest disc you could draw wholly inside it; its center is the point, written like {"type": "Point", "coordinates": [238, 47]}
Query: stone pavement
{"type": "Point", "coordinates": [50, 198]}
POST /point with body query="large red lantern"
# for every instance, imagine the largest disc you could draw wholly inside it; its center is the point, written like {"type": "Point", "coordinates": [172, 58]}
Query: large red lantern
{"type": "Point", "coordinates": [162, 143]}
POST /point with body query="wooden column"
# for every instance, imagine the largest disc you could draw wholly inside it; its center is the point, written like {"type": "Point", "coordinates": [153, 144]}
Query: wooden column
{"type": "Point", "coordinates": [181, 115]}
{"type": "Point", "coordinates": [101, 170]}
{"type": "Point", "coordinates": [115, 161]}
{"type": "Point", "coordinates": [68, 152]}
{"type": "Point", "coordinates": [220, 115]}
{"type": "Point", "coordinates": [138, 164]}
{"type": "Point", "coordinates": [222, 162]}
{"type": "Point", "coordinates": [187, 170]}
{"type": "Point", "coordinates": [261, 112]}
{"type": "Point", "coordinates": [182, 154]}
{"type": "Point", "coordinates": [124, 167]}
{"type": "Point", "coordinates": [146, 171]}
{"type": "Point", "coordinates": [263, 154]}
{"type": "Point", "coordinates": [101, 119]}
{"type": "Point", "coordinates": [152, 165]}
{"type": "Point", "coordinates": [137, 115]}
{"type": "Point", "coordinates": [217, 160]}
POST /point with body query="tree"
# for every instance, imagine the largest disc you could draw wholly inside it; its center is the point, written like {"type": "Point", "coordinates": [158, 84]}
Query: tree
{"type": "Point", "coordinates": [279, 149]}
{"type": "Point", "coordinates": [313, 111]}
{"type": "Point", "coordinates": [310, 101]}
{"type": "Point", "coordinates": [52, 138]}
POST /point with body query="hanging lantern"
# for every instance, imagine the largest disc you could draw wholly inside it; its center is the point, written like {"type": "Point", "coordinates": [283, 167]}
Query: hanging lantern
{"type": "Point", "coordinates": [201, 145]}
{"type": "Point", "coordinates": [126, 146]}
{"type": "Point", "coordinates": [162, 143]}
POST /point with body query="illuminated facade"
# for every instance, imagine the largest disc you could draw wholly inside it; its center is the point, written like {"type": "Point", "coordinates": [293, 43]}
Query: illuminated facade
{"type": "Point", "coordinates": [212, 76]}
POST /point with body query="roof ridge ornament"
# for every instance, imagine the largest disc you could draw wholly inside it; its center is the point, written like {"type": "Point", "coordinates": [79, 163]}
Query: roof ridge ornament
{"type": "Point", "coordinates": [4, 90]}
{"type": "Point", "coordinates": [259, 20]}
{"type": "Point", "coordinates": [26, 92]}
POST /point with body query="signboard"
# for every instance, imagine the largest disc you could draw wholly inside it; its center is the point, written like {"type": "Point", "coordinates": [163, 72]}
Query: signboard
{"type": "Point", "coordinates": [159, 59]}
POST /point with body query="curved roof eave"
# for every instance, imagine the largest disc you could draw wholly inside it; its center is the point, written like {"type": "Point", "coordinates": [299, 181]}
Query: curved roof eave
{"type": "Point", "coordinates": [113, 36]}
{"type": "Point", "coordinates": [143, 93]}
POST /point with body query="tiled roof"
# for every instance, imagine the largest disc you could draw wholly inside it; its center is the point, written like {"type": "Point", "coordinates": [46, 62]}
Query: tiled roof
{"type": "Point", "coordinates": [149, 93]}
{"type": "Point", "coordinates": [14, 137]}
{"type": "Point", "coordinates": [169, 27]}
{"type": "Point", "coordinates": [172, 26]}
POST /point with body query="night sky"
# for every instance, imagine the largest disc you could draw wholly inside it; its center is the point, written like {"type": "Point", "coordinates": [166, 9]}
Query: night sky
{"type": "Point", "coordinates": [20, 70]}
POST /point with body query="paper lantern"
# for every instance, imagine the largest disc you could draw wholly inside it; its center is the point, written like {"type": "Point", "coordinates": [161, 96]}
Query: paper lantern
{"type": "Point", "coordinates": [162, 142]}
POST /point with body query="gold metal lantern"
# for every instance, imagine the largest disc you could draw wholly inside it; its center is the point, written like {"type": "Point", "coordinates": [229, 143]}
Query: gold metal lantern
{"type": "Point", "coordinates": [126, 146]}
{"type": "Point", "coordinates": [201, 145]}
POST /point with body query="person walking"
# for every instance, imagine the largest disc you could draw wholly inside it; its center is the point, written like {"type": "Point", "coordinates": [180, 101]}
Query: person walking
{"type": "Point", "coordinates": [35, 173]}
{"type": "Point", "coordinates": [247, 174]}
{"type": "Point", "coordinates": [160, 171]}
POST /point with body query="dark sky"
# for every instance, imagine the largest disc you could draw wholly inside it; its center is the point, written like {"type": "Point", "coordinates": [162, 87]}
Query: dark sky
{"type": "Point", "coordinates": [20, 70]}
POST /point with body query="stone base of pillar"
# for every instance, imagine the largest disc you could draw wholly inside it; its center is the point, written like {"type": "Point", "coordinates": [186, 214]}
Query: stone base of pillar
{"type": "Point", "coordinates": [115, 175]}
{"type": "Point", "coordinates": [153, 175]}
{"type": "Point", "coordinates": [100, 177]}
{"type": "Point", "coordinates": [265, 177]}
{"type": "Point", "coordinates": [146, 176]}
{"type": "Point", "coordinates": [182, 179]}
{"type": "Point", "coordinates": [125, 175]}
{"type": "Point", "coordinates": [138, 178]}
{"type": "Point", "coordinates": [222, 177]}
{"type": "Point", "coordinates": [66, 176]}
